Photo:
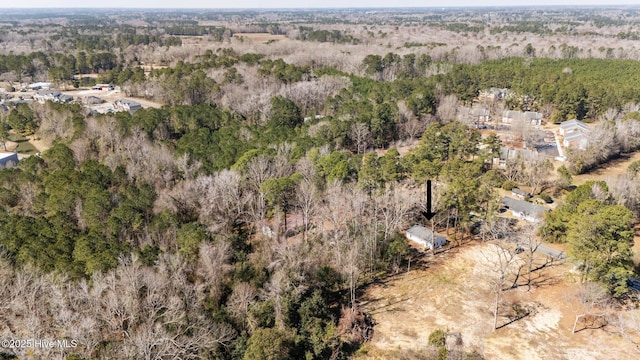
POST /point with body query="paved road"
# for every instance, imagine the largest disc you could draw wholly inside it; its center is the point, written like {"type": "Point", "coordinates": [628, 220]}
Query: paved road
{"type": "Point", "coordinates": [551, 252]}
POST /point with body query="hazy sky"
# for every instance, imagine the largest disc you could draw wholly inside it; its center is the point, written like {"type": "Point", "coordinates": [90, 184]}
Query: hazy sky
{"type": "Point", "coordinates": [295, 3]}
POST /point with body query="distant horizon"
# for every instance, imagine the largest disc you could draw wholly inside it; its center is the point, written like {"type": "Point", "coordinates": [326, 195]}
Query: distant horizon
{"type": "Point", "coordinates": [311, 4]}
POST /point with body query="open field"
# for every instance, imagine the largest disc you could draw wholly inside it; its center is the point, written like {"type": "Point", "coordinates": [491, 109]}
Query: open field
{"type": "Point", "coordinates": [609, 170]}
{"type": "Point", "coordinates": [453, 294]}
{"type": "Point", "coordinates": [260, 38]}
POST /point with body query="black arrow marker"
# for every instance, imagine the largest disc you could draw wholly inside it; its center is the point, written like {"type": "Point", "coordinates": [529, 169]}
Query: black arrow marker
{"type": "Point", "coordinates": [429, 214]}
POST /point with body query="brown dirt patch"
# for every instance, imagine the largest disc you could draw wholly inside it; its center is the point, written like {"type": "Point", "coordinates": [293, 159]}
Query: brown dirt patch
{"type": "Point", "coordinates": [452, 293]}
{"type": "Point", "coordinates": [39, 144]}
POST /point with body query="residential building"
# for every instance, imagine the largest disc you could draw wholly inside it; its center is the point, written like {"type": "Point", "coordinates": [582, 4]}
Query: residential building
{"type": "Point", "coordinates": [493, 94]}
{"type": "Point", "coordinates": [571, 126]}
{"type": "Point", "coordinates": [532, 118]}
{"type": "Point", "coordinates": [524, 209]}
{"type": "Point", "coordinates": [53, 96]}
{"type": "Point", "coordinates": [103, 87]}
{"type": "Point", "coordinates": [509, 116]}
{"type": "Point", "coordinates": [576, 140]}
{"type": "Point", "coordinates": [127, 105]}
{"type": "Point", "coordinates": [528, 117]}
{"type": "Point", "coordinates": [480, 116]}
{"type": "Point", "coordinates": [507, 154]}
{"type": "Point", "coordinates": [425, 237]}
{"type": "Point", "coordinates": [40, 86]}
{"type": "Point", "coordinates": [575, 134]}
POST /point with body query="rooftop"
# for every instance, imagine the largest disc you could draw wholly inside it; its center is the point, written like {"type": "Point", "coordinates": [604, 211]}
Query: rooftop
{"type": "Point", "coordinates": [423, 233]}
{"type": "Point", "coordinates": [524, 207]}
{"type": "Point", "coordinates": [6, 154]}
{"type": "Point", "coordinates": [573, 124]}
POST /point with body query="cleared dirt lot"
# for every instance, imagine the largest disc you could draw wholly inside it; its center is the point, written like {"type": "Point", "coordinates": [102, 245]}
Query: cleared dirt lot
{"type": "Point", "coordinates": [453, 294]}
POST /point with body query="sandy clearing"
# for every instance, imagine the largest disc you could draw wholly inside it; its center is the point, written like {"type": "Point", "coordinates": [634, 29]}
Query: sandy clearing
{"type": "Point", "coordinates": [452, 294]}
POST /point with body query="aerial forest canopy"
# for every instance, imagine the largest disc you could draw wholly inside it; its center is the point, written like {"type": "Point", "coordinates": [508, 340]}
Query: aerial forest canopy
{"type": "Point", "coordinates": [276, 161]}
{"type": "Point", "coordinates": [577, 88]}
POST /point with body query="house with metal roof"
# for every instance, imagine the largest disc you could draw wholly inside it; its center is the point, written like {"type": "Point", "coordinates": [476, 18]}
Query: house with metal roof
{"type": "Point", "coordinates": [127, 105]}
{"type": "Point", "coordinates": [425, 237]}
{"type": "Point", "coordinates": [528, 117]}
{"type": "Point", "coordinates": [570, 126]}
{"type": "Point", "coordinates": [575, 134]}
{"type": "Point", "coordinates": [524, 209]}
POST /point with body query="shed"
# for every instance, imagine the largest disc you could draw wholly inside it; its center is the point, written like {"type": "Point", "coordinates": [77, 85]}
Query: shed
{"type": "Point", "coordinates": [425, 237]}
{"type": "Point", "coordinates": [519, 193]}
{"type": "Point", "coordinates": [8, 159]}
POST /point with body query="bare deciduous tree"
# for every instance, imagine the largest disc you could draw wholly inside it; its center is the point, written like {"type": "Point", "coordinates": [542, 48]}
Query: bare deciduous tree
{"type": "Point", "coordinates": [593, 307]}
{"type": "Point", "coordinates": [361, 136]}
{"type": "Point", "coordinates": [243, 295]}
{"type": "Point", "coordinates": [529, 241]}
{"type": "Point", "coordinates": [307, 197]}
{"type": "Point", "coordinates": [504, 264]}
{"type": "Point", "coordinates": [447, 108]}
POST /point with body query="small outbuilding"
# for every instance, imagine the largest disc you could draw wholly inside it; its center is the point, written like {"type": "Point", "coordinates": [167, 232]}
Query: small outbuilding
{"type": "Point", "coordinates": [8, 160]}
{"type": "Point", "coordinates": [425, 237]}
{"type": "Point", "coordinates": [520, 194]}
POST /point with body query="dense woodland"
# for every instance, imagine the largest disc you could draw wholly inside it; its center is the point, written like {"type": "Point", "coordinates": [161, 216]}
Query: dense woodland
{"type": "Point", "coordinates": [241, 219]}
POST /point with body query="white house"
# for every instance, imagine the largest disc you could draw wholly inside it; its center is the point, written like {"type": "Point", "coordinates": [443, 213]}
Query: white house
{"type": "Point", "coordinates": [577, 140]}
{"type": "Point", "coordinates": [8, 160]}
{"type": "Point", "coordinates": [575, 134]}
{"type": "Point", "coordinates": [425, 237]}
{"type": "Point", "coordinates": [528, 117]}
{"type": "Point", "coordinates": [532, 118]}
{"type": "Point", "coordinates": [103, 87]}
{"type": "Point", "coordinates": [40, 85]}
{"type": "Point", "coordinates": [509, 116]}
{"type": "Point", "coordinates": [571, 126]}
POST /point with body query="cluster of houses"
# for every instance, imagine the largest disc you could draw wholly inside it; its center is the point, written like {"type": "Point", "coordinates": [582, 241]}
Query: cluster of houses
{"type": "Point", "coordinates": [519, 208]}
{"type": "Point", "coordinates": [53, 96]}
{"type": "Point", "coordinates": [44, 94]}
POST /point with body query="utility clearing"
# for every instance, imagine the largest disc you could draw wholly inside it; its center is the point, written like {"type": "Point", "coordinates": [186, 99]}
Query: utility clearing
{"type": "Point", "coordinates": [453, 292]}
